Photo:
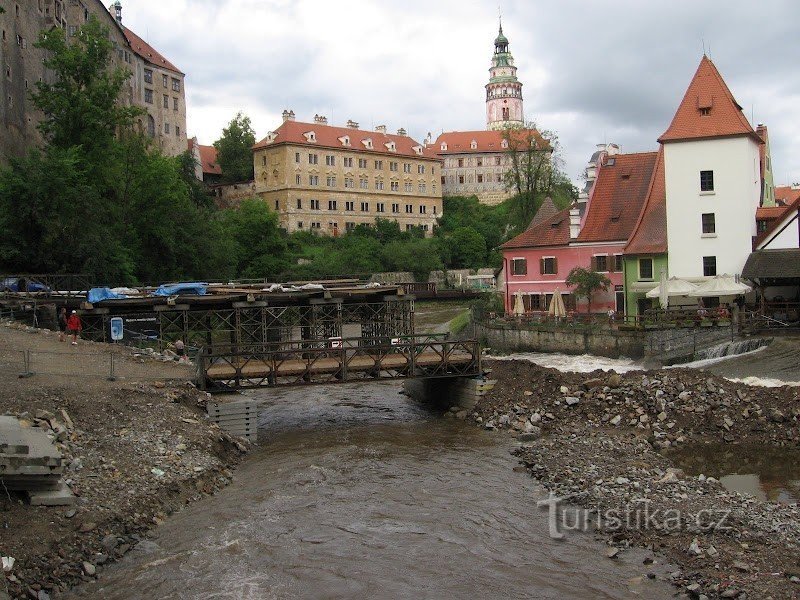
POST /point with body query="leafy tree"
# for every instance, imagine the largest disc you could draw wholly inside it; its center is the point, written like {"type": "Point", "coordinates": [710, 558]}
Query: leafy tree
{"type": "Point", "coordinates": [80, 108]}
{"type": "Point", "coordinates": [419, 256]}
{"type": "Point", "coordinates": [234, 150]}
{"type": "Point", "coordinates": [586, 282]}
{"type": "Point", "coordinates": [198, 192]}
{"type": "Point", "coordinates": [467, 248]}
{"type": "Point", "coordinates": [259, 247]}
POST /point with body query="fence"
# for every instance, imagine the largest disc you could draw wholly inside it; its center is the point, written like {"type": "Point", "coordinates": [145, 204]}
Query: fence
{"type": "Point", "coordinates": [95, 365]}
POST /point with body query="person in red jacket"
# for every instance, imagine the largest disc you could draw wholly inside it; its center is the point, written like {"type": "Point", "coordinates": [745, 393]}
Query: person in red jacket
{"type": "Point", "coordinates": [74, 327]}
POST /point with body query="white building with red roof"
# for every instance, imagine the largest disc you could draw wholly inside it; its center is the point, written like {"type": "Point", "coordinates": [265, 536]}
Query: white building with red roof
{"type": "Point", "coordinates": [476, 162]}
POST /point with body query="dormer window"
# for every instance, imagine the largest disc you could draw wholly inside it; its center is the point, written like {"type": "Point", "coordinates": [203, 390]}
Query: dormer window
{"type": "Point", "coordinates": [417, 150]}
{"type": "Point", "coordinates": [444, 146]}
{"type": "Point", "coordinates": [504, 144]}
{"type": "Point", "coordinates": [271, 137]}
{"type": "Point", "coordinates": [473, 144]}
{"type": "Point", "coordinates": [310, 136]}
{"type": "Point", "coordinates": [345, 140]}
{"type": "Point", "coordinates": [704, 112]}
{"type": "Point", "coordinates": [391, 147]}
{"type": "Point", "coordinates": [367, 143]}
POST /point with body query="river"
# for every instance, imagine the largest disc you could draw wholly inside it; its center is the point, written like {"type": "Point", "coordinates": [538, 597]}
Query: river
{"type": "Point", "coordinates": [359, 492]}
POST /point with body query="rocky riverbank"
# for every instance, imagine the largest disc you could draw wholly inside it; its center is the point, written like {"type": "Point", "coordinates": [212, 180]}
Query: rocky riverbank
{"type": "Point", "coordinates": [602, 442]}
{"type": "Point", "coordinates": [135, 449]}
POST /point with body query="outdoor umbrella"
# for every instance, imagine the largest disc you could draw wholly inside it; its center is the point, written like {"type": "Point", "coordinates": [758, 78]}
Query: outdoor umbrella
{"type": "Point", "coordinates": [721, 285]}
{"type": "Point", "coordinates": [519, 307]}
{"type": "Point", "coordinates": [674, 287]}
{"type": "Point", "coordinates": [556, 308]}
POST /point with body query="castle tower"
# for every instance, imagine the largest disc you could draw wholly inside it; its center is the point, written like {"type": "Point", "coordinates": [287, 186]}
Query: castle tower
{"type": "Point", "coordinates": [504, 90]}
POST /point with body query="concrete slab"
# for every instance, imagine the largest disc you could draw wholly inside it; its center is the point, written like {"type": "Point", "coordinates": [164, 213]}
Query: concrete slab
{"type": "Point", "coordinates": [58, 497]}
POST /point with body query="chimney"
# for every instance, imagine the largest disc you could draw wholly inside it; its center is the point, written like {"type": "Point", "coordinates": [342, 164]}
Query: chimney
{"type": "Point", "coordinates": [352, 124]}
{"type": "Point", "coordinates": [288, 115]}
{"type": "Point", "coordinates": [116, 10]}
{"type": "Point", "coordinates": [320, 119]}
{"type": "Point", "coordinates": [574, 222]}
{"type": "Point", "coordinates": [401, 131]}
{"type": "Point", "coordinates": [380, 128]}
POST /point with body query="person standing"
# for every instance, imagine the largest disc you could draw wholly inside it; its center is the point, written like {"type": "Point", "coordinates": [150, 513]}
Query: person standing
{"type": "Point", "coordinates": [62, 325]}
{"type": "Point", "coordinates": [74, 327]}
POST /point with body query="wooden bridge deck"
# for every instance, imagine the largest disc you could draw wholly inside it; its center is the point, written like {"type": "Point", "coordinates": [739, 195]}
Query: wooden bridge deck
{"type": "Point", "coordinates": [291, 364]}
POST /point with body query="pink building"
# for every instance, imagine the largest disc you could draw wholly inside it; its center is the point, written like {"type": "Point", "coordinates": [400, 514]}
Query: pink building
{"type": "Point", "coordinates": [590, 234]}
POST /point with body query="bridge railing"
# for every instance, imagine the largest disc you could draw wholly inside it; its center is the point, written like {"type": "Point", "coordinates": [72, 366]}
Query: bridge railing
{"type": "Point", "coordinates": [300, 362]}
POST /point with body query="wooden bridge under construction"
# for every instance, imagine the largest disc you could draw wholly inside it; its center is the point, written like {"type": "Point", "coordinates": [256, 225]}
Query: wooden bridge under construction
{"type": "Point", "coordinates": [253, 336]}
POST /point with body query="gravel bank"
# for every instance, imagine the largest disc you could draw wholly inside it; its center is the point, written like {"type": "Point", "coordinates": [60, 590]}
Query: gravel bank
{"type": "Point", "coordinates": [603, 441]}
{"type": "Point", "coordinates": [136, 450]}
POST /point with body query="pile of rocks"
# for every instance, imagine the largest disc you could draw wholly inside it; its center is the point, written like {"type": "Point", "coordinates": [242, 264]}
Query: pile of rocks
{"type": "Point", "coordinates": [603, 441]}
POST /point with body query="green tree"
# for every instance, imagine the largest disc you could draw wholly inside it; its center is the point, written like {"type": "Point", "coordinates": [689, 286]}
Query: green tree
{"type": "Point", "coordinates": [80, 108]}
{"type": "Point", "coordinates": [417, 255]}
{"type": "Point", "coordinates": [259, 247]}
{"type": "Point", "coordinates": [467, 248]}
{"type": "Point", "coordinates": [586, 283]}
{"type": "Point", "coordinates": [234, 150]}
{"type": "Point", "coordinates": [198, 192]}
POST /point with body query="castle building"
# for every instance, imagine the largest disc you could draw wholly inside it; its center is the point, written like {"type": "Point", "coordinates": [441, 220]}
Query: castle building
{"type": "Point", "coordinates": [329, 179]}
{"type": "Point", "coordinates": [154, 81]}
{"type": "Point", "coordinates": [476, 162]}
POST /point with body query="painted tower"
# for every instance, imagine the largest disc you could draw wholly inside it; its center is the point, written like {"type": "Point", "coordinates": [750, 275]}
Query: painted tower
{"type": "Point", "coordinates": [504, 90]}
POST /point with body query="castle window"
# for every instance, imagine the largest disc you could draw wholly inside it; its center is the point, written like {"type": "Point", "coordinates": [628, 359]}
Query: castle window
{"type": "Point", "coordinates": [164, 80]}
{"type": "Point", "coordinates": [176, 85]}
{"type": "Point", "coordinates": [148, 76]}
{"type": "Point", "coordinates": [709, 266]}
{"type": "Point", "coordinates": [174, 104]}
{"type": "Point", "coordinates": [166, 101]}
{"type": "Point", "coordinates": [706, 181]}
{"type": "Point", "coordinates": [148, 96]}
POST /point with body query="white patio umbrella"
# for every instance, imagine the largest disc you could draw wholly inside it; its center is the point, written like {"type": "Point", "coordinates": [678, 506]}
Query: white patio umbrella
{"type": "Point", "coordinates": [519, 307]}
{"type": "Point", "coordinates": [556, 308]}
{"type": "Point", "coordinates": [674, 287]}
{"type": "Point", "coordinates": [721, 285]}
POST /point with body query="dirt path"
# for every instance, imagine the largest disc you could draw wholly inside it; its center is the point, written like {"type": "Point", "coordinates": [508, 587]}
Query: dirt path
{"type": "Point", "coordinates": [135, 450]}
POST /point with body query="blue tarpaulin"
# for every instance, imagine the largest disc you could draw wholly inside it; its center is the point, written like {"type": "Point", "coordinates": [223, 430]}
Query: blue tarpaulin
{"type": "Point", "coordinates": [11, 284]}
{"type": "Point", "coordinates": [99, 294]}
{"type": "Point", "coordinates": [182, 289]}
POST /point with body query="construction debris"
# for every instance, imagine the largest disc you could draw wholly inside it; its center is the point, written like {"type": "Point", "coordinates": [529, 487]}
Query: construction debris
{"type": "Point", "coordinates": [30, 463]}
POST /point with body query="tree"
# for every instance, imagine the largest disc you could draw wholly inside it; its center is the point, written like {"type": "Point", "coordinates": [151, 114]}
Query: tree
{"type": "Point", "coordinates": [234, 150]}
{"type": "Point", "coordinates": [535, 159]}
{"type": "Point", "coordinates": [81, 107]}
{"type": "Point", "coordinates": [586, 282]}
{"type": "Point", "coordinates": [467, 248]}
{"type": "Point", "coordinates": [260, 249]}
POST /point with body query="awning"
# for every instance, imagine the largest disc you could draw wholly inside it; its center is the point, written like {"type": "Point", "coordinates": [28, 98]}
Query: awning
{"type": "Point", "coordinates": [643, 286]}
{"type": "Point", "coordinates": [772, 264]}
{"type": "Point", "coordinates": [674, 287]}
{"type": "Point", "coordinates": [721, 285]}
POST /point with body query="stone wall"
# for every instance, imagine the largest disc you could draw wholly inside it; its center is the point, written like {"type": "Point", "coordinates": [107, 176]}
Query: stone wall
{"type": "Point", "coordinates": [666, 346]}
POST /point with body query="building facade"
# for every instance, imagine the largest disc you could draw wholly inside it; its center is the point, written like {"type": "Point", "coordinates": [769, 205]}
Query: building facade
{"type": "Point", "coordinates": [476, 162]}
{"type": "Point", "coordinates": [329, 179]}
{"type": "Point", "coordinates": [22, 66]}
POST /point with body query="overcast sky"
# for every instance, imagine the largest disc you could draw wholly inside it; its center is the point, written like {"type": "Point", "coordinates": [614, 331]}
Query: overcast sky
{"type": "Point", "coordinates": [592, 71]}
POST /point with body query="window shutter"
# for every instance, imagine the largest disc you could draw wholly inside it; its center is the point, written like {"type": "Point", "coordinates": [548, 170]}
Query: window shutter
{"type": "Point", "coordinates": [593, 264]}
{"type": "Point", "coordinates": [555, 266]}
{"type": "Point", "coordinates": [541, 266]}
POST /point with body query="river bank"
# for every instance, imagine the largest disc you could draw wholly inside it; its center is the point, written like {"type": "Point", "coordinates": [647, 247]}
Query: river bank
{"type": "Point", "coordinates": [136, 450]}
{"type": "Point", "coordinates": [603, 442]}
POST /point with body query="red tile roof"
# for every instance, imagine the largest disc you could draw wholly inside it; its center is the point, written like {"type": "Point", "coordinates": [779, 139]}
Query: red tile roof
{"type": "Point", "coordinates": [553, 231]}
{"type": "Point", "coordinates": [546, 211]}
{"type": "Point", "coordinates": [768, 213]}
{"type": "Point", "coordinates": [327, 136]}
{"type": "Point", "coordinates": [708, 92]}
{"type": "Point", "coordinates": [786, 194]}
{"type": "Point", "coordinates": [208, 158]}
{"type": "Point", "coordinates": [147, 52]}
{"type": "Point", "coordinates": [460, 142]}
{"type": "Point", "coordinates": [650, 232]}
{"type": "Point", "coordinates": [620, 191]}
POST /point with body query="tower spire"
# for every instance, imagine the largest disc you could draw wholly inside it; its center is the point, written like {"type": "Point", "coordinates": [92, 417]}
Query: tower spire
{"type": "Point", "coordinates": [504, 90]}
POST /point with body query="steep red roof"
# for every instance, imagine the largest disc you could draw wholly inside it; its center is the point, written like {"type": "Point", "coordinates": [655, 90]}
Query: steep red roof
{"type": "Point", "coordinates": [546, 211]}
{"type": "Point", "coordinates": [147, 52]}
{"type": "Point", "coordinates": [708, 109]}
{"type": "Point", "coordinates": [768, 213]}
{"type": "Point", "coordinates": [327, 136]}
{"type": "Point", "coordinates": [551, 232]}
{"type": "Point", "coordinates": [208, 158]}
{"type": "Point", "coordinates": [650, 232]}
{"type": "Point", "coordinates": [461, 142]}
{"type": "Point", "coordinates": [619, 193]}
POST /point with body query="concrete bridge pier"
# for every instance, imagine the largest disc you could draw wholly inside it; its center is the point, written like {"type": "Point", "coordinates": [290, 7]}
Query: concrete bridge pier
{"type": "Point", "coordinates": [446, 392]}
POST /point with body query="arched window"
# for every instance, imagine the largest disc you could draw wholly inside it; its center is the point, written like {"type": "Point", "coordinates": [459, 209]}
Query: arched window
{"type": "Point", "coordinates": [151, 126]}
{"type": "Point", "coordinates": [505, 114]}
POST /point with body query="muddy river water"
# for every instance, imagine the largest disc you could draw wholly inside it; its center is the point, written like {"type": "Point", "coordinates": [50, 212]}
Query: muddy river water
{"type": "Point", "coordinates": [359, 492]}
